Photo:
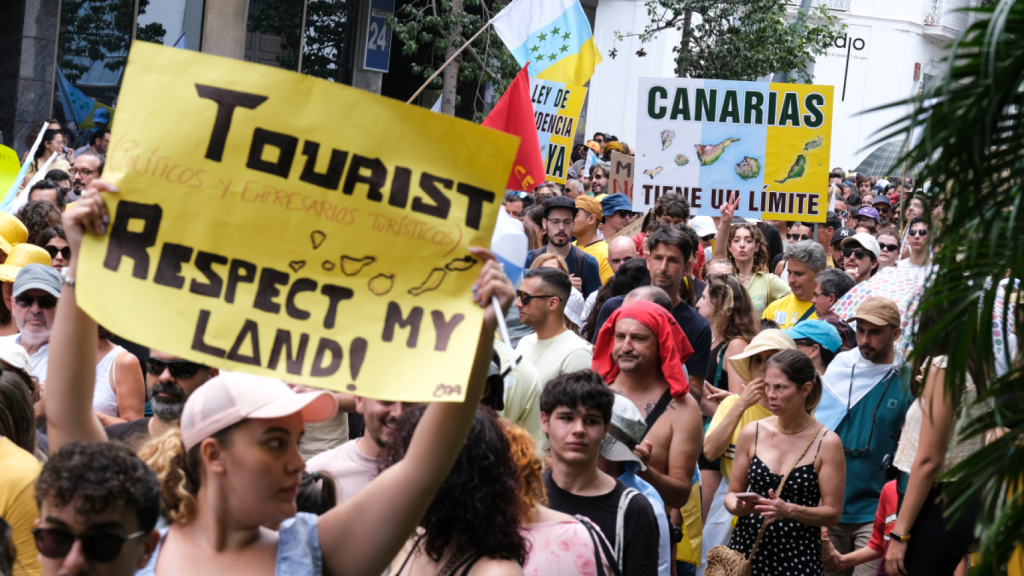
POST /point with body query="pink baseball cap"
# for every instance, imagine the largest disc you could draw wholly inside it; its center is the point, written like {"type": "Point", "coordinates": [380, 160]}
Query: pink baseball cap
{"type": "Point", "coordinates": [232, 397]}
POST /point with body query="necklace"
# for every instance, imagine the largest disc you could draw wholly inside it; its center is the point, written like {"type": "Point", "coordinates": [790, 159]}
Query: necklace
{"type": "Point", "coordinates": [544, 348]}
{"type": "Point", "coordinates": [779, 428]}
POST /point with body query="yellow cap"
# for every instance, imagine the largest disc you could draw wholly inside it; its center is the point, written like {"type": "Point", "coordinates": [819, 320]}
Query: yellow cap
{"type": "Point", "coordinates": [22, 255]}
{"type": "Point", "coordinates": [12, 232]}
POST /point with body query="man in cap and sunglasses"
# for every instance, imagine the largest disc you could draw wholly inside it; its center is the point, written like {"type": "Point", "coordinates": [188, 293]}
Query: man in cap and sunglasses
{"type": "Point", "coordinates": [170, 380]}
{"type": "Point", "coordinates": [866, 396]}
{"type": "Point", "coordinates": [98, 507]}
{"type": "Point", "coordinates": [34, 297]}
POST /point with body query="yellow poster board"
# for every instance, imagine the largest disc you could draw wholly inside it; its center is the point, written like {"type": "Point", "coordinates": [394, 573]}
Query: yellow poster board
{"type": "Point", "coordinates": [556, 109]}
{"type": "Point", "coordinates": [281, 225]}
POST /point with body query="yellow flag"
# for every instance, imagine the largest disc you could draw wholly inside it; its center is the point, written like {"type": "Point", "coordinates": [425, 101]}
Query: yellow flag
{"type": "Point", "coordinates": [286, 226]}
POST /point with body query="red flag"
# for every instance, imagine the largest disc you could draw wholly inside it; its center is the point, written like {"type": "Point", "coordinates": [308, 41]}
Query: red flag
{"type": "Point", "coordinates": [514, 114]}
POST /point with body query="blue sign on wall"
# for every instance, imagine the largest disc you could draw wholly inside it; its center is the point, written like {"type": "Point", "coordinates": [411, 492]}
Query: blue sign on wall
{"type": "Point", "coordinates": [378, 36]}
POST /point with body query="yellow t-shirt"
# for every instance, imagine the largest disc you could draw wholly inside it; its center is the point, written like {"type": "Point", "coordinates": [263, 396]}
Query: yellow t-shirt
{"type": "Point", "coordinates": [752, 414]}
{"type": "Point", "coordinates": [18, 503]}
{"type": "Point", "coordinates": [787, 311]}
{"type": "Point", "coordinates": [599, 250]}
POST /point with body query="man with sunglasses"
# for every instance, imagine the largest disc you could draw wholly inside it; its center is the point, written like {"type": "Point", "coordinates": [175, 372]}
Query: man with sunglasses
{"type": "Point", "coordinates": [169, 382]}
{"type": "Point", "coordinates": [860, 254]}
{"type": "Point", "coordinates": [884, 207]}
{"type": "Point", "coordinates": [518, 202]}
{"type": "Point", "coordinates": [618, 213]}
{"type": "Point", "coordinates": [553, 349]}
{"type": "Point", "coordinates": [917, 238]}
{"type": "Point", "coordinates": [865, 398]}
{"type": "Point", "coordinates": [34, 297]}
{"type": "Point", "coordinates": [98, 507]}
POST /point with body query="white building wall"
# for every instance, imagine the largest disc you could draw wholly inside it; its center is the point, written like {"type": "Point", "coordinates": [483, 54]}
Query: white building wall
{"type": "Point", "coordinates": [888, 37]}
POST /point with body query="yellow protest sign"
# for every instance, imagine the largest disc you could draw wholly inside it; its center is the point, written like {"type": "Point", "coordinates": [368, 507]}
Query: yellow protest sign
{"type": "Point", "coordinates": [556, 108]}
{"type": "Point", "coordinates": [9, 168]}
{"type": "Point", "coordinates": [286, 226]}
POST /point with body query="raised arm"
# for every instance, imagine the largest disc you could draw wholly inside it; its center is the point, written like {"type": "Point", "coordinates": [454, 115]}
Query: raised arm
{"type": "Point", "coordinates": [70, 381]}
{"type": "Point", "coordinates": [722, 238]}
{"type": "Point", "coordinates": [719, 435]}
{"type": "Point", "coordinates": [401, 494]}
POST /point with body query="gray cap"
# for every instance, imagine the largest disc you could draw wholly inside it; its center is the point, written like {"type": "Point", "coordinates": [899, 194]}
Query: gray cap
{"type": "Point", "coordinates": [627, 429]}
{"type": "Point", "coordinates": [40, 277]}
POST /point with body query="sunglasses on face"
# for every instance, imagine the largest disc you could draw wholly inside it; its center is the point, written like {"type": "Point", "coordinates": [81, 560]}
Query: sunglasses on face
{"type": "Point", "coordinates": [889, 247]}
{"type": "Point", "coordinates": [64, 252]}
{"type": "Point", "coordinates": [45, 301]}
{"type": "Point", "coordinates": [797, 237]}
{"type": "Point", "coordinates": [99, 546]}
{"type": "Point", "coordinates": [624, 213]}
{"type": "Point", "coordinates": [883, 209]}
{"type": "Point", "coordinates": [178, 368]}
{"type": "Point", "coordinates": [857, 253]}
{"type": "Point", "coordinates": [918, 232]}
{"type": "Point", "coordinates": [526, 298]}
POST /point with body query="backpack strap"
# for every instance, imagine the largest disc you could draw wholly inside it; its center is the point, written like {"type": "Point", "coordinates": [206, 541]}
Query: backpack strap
{"type": "Point", "coordinates": [603, 553]}
{"type": "Point", "coordinates": [721, 360]}
{"type": "Point", "coordinates": [620, 519]}
{"type": "Point", "coordinates": [656, 412]}
{"type": "Point", "coordinates": [577, 258]}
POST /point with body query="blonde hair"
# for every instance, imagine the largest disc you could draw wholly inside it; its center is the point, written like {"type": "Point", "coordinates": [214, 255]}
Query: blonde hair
{"type": "Point", "coordinates": [179, 482]}
{"type": "Point", "coordinates": [540, 260]}
{"type": "Point", "coordinates": [530, 489]}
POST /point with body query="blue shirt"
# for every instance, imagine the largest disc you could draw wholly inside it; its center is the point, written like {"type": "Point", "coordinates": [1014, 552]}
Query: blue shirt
{"type": "Point", "coordinates": [590, 276]}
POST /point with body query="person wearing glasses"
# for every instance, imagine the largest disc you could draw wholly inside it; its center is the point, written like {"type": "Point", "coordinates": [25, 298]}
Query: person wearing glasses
{"type": "Point", "coordinates": [170, 380]}
{"type": "Point", "coordinates": [88, 167]}
{"type": "Point", "coordinates": [98, 508]}
{"type": "Point", "coordinates": [553, 349]}
{"type": "Point", "coordinates": [56, 245]}
{"type": "Point", "coordinates": [866, 397]}
{"type": "Point", "coordinates": [860, 254]}
{"type": "Point", "coordinates": [883, 205]}
{"type": "Point", "coordinates": [559, 220]}
{"type": "Point", "coordinates": [53, 143]}
{"type": "Point", "coordinates": [917, 238]}
{"type": "Point", "coordinates": [34, 294]}
{"type": "Point", "coordinates": [516, 203]}
{"type": "Point", "coordinates": [889, 244]}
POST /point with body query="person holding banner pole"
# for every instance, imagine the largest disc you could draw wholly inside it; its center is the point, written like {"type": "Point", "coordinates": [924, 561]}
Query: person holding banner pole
{"type": "Point", "coordinates": [229, 472]}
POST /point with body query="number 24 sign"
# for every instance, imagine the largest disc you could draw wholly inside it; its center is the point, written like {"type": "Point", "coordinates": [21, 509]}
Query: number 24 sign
{"type": "Point", "coordinates": [378, 36]}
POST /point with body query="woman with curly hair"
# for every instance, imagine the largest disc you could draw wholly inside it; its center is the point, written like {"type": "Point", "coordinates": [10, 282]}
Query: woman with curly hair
{"type": "Point", "coordinates": [632, 274]}
{"type": "Point", "coordinates": [559, 543]}
{"type": "Point", "coordinates": [747, 249]}
{"type": "Point", "coordinates": [471, 527]}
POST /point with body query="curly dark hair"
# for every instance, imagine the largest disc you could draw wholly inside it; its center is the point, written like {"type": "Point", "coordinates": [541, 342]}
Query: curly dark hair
{"type": "Point", "coordinates": [632, 274]}
{"type": "Point", "coordinates": [37, 216]}
{"type": "Point", "coordinates": [98, 476]}
{"type": "Point", "coordinates": [478, 503]}
{"type": "Point", "coordinates": [760, 250]}
{"type": "Point", "coordinates": [674, 206]}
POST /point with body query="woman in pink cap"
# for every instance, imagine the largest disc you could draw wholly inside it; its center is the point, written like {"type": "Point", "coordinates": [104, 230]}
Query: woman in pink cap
{"type": "Point", "coordinates": [234, 466]}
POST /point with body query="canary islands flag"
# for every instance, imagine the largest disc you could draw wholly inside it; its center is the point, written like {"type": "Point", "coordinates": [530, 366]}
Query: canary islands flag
{"type": "Point", "coordinates": [553, 36]}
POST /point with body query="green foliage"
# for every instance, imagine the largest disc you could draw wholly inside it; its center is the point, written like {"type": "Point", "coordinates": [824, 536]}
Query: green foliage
{"type": "Point", "coordinates": [973, 131]}
{"type": "Point", "coordinates": [741, 39]}
{"type": "Point", "coordinates": [328, 24]}
{"type": "Point", "coordinates": [96, 30]}
{"type": "Point", "coordinates": [423, 28]}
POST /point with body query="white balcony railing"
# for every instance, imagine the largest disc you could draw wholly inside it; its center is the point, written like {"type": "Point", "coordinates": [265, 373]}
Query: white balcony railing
{"type": "Point", "coordinates": [942, 18]}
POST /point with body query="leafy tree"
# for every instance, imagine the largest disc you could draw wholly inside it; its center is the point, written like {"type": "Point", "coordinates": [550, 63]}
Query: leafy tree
{"type": "Point", "coordinates": [96, 30]}
{"type": "Point", "coordinates": [971, 123]}
{"type": "Point", "coordinates": [741, 39]}
{"type": "Point", "coordinates": [430, 31]}
{"type": "Point", "coordinates": [328, 24]}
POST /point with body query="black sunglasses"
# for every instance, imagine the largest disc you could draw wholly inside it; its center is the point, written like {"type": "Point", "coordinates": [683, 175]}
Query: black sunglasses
{"type": "Point", "coordinates": [99, 546]}
{"type": "Point", "coordinates": [918, 232]}
{"type": "Point", "coordinates": [65, 252]}
{"type": "Point", "coordinates": [797, 237]}
{"type": "Point", "coordinates": [527, 297]}
{"type": "Point", "coordinates": [624, 213]}
{"type": "Point", "coordinates": [889, 247]}
{"type": "Point", "coordinates": [883, 209]}
{"type": "Point", "coordinates": [46, 301]}
{"type": "Point", "coordinates": [855, 252]}
{"type": "Point", "coordinates": [178, 368]}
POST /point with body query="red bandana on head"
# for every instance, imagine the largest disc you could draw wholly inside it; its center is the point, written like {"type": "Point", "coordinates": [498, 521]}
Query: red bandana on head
{"type": "Point", "coordinates": [673, 345]}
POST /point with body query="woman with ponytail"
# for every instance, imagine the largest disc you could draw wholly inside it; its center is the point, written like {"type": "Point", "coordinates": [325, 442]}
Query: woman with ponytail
{"type": "Point", "coordinates": [234, 467]}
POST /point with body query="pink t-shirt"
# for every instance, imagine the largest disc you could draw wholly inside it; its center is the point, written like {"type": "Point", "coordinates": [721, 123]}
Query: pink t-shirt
{"type": "Point", "coordinates": [352, 470]}
{"type": "Point", "coordinates": [562, 547]}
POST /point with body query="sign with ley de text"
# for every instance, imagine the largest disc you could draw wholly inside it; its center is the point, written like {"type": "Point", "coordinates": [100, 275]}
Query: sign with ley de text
{"type": "Point", "coordinates": [557, 108]}
{"type": "Point", "coordinates": [257, 229]}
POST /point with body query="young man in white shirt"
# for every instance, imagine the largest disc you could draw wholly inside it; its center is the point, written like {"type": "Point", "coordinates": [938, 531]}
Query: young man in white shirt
{"type": "Point", "coordinates": [553, 349]}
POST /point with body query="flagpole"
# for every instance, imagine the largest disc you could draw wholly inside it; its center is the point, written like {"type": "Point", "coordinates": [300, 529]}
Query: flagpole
{"type": "Point", "coordinates": [457, 52]}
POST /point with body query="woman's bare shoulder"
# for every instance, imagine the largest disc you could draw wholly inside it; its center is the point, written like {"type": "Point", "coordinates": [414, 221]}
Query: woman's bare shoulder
{"type": "Point", "coordinates": [493, 567]}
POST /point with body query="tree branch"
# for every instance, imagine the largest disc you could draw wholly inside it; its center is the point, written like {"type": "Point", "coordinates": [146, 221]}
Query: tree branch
{"type": "Point", "coordinates": [476, 58]}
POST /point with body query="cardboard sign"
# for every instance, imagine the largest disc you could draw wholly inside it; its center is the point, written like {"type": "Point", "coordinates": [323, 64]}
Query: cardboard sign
{"type": "Point", "coordinates": [557, 109]}
{"type": "Point", "coordinates": [257, 229]}
{"type": "Point", "coordinates": [709, 139]}
{"type": "Point", "coordinates": [9, 167]}
{"type": "Point", "coordinates": [621, 179]}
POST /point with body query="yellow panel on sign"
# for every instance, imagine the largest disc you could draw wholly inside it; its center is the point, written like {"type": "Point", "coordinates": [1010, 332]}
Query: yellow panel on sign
{"type": "Point", "coordinates": [273, 223]}
{"type": "Point", "coordinates": [557, 109]}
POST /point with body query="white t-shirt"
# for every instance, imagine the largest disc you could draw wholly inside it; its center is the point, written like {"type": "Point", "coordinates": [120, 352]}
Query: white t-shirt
{"type": "Point", "coordinates": [906, 263]}
{"type": "Point", "coordinates": [40, 360]}
{"type": "Point", "coordinates": [352, 470]}
{"type": "Point", "coordinates": [553, 357]}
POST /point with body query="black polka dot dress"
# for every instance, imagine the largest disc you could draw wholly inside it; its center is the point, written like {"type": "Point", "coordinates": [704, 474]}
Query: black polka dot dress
{"type": "Point", "coordinates": [788, 547]}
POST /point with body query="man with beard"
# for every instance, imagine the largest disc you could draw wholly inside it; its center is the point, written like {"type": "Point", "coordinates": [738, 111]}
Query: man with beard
{"type": "Point", "coordinates": [669, 262]}
{"type": "Point", "coordinates": [169, 382]}
{"type": "Point", "coordinates": [866, 396]}
{"type": "Point", "coordinates": [559, 219]}
{"type": "Point", "coordinates": [354, 463]}
{"type": "Point", "coordinates": [88, 167]}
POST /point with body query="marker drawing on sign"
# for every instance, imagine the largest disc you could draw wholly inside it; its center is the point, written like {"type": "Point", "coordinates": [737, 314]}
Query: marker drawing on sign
{"type": "Point", "coordinates": [433, 282]}
{"type": "Point", "coordinates": [351, 266]}
{"type": "Point", "coordinates": [461, 264]}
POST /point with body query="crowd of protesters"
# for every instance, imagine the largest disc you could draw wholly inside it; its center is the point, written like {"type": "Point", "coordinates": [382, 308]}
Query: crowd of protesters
{"type": "Point", "coordinates": [677, 393]}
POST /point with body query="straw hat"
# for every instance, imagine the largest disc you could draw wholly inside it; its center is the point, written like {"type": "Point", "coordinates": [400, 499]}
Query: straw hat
{"type": "Point", "coordinates": [20, 256]}
{"type": "Point", "coordinates": [766, 340]}
{"type": "Point", "coordinates": [12, 232]}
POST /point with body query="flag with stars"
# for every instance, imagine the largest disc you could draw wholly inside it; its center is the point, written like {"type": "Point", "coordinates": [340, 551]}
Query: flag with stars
{"type": "Point", "coordinates": [554, 36]}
